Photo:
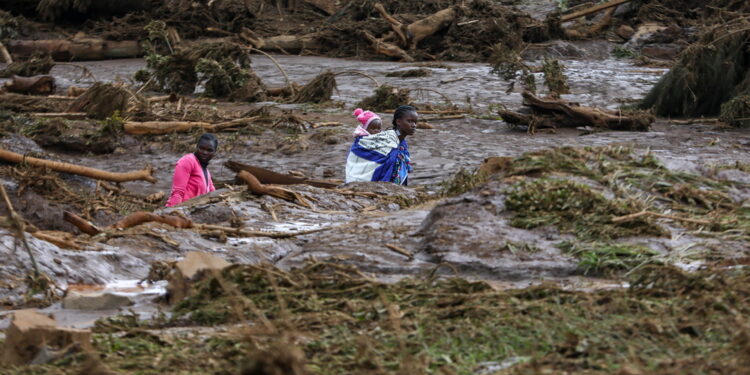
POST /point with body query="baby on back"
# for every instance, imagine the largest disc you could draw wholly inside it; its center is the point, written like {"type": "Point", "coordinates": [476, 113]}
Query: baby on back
{"type": "Point", "coordinates": [370, 123]}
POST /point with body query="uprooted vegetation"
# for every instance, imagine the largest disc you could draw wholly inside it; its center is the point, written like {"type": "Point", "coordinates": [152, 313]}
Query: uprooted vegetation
{"type": "Point", "coordinates": [709, 73]}
{"type": "Point", "coordinates": [421, 326]}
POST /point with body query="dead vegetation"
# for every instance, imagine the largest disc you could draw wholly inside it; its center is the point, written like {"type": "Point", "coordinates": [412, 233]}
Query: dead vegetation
{"type": "Point", "coordinates": [416, 324]}
{"type": "Point", "coordinates": [709, 73]}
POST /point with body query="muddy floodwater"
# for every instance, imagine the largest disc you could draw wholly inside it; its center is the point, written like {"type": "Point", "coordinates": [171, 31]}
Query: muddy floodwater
{"type": "Point", "coordinates": [467, 236]}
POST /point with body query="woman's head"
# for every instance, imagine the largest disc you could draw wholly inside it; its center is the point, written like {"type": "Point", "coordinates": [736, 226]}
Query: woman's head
{"type": "Point", "coordinates": [206, 147]}
{"type": "Point", "coordinates": [405, 119]}
{"type": "Point", "coordinates": [370, 120]}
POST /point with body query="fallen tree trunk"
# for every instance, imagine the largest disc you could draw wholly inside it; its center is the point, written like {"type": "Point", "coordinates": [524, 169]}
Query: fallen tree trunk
{"type": "Point", "coordinates": [167, 127]}
{"type": "Point", "coordinates": [144, 174]}
{"type": "Point", "coordinates": [36, 85]}
{"type": "Point", "coordinates": [553, 113]}
{"type": "Point", "coordinates": [593, 9]}
{"type": "Point", "coordinates": [76, 49]}
{"type": "Point", "coordinates": [385, 48]}
{"type": "Point", "coordinates": [254, 186]}
{"type": "Point", "coordinates": [427, 26]}
{"type": "Point", "coordinates": [266, 176]}
{"type": "Point", "coordinates": [141, 217]}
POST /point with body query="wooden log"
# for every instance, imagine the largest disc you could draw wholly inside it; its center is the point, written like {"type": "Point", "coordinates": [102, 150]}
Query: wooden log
{"type": "Point", "coordinates": [61, 239]}
{"type": "Point", "coordinates": [85, 48]}
{"type": "Point", "coordinates": [385, 48]}
{"type": "Point", "coordinates": [65, 115]}
{"type": "Point", "coordinates": [594, 9]}
{"type": "Point", "coordinates": [144, 174]}
{"type": "Point", "coordinates": [82, 224]}
{"type": "Point", "coordinates": [167, 127]}
{"type": "Point", "coordinates": [286, 43]}
{"type": "Point", "coordinates": [430, 25]}
{"type": "Point", "coordinates": [142, 217]}
{"type": "Point", "coordinates": [254, 186]}
{"type": "Point", "coordinates": [36, 85]}
{"type": "Point", "coordinates": [400, 250]}
{"type": "Point", "coordinates": [267, 176]}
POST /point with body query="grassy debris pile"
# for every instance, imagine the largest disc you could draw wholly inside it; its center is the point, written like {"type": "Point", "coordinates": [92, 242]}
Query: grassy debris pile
{"type": "Point", "coordinates": [223, 68]}
{"type": "Point", "coordinates": [709, 73]}
{"type": "Point", "coordinates": [385, 98]}
{"type": "Point", "coordinates": [636, 182]}
{"type": "Point", "coordinates": [330, 319]}
{"type": "Point", "coordinates": [576, 208]}
{"type": "Point", "coordinates": [319, 90]}
{"type": "Point", "coordinates": [36, 65]}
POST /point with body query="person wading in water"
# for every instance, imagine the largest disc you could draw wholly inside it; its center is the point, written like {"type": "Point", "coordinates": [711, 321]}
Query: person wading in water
{"type": "Point", "coordinates": [191, 176]}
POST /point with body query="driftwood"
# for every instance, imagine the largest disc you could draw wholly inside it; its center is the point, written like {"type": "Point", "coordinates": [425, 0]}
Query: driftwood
{"type": "Point", "coordinates": [400, 250]}
{"type": "Point", "coordinates": [267, 176]}
{"type": "Point", "coordinates": [36, 85]}
{"type": "Point", "coordinates": [385, 48]}
{"type": "Point", "coordinates": [554, 113]}
{"type": "Point", "coordinates": [593, 9]}
{"type": "Point", "coordinates": [283, 43]}
{"type": "Point", "coordinates": [82, 224]}
{"type": "Point", "coordinates": [76, 49]}
{"type": "Point", "coordinates": [408, 36]}
{"type": "Point", "coordinates": [328, 6]}
{"type": "Point", "coordinates": [144, 174]}
{"type": "Point", "coordinates": [102, 100]}
{"type": "Point", "coordinates": [256, 187]}
{"type": "Point", "coordinates": [65, 115]}
{"type": "Point", "coordinates": [167, 127]}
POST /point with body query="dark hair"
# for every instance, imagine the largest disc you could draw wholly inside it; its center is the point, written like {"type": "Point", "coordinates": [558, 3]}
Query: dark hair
{"type": "Point", "coordinates": [401, 111]}
{"type": "Point", "coordinates": [211, 138]}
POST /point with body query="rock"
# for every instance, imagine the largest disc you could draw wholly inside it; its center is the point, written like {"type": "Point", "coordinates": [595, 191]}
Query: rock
{"type": "Point", "coordinates": [32, 336]}
{"type": "Point", "coordinates": [624, 31]}
{"type": "Point", "coordinates": [95, 301]}
{"type": "Point", "coordinates": [187, 271]}
{"type": "Point", "coordinates": [662, 51]}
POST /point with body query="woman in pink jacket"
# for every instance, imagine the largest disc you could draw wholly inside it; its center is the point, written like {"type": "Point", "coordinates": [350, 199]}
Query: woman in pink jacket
{"type": "Point", "coordinates": [191, 177]}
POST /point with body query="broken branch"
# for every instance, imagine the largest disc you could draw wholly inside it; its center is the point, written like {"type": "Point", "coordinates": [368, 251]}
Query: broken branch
{"type": "Point", "coordinates": [144, 174]}
{"type": "Point", "coordinates": [621, 219]}
{"type": "Point", "coordinates": [594, 9]}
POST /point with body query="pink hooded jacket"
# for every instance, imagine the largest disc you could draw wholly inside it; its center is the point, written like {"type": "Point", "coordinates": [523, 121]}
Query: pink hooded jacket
{"type": "Point", "coordinates": [188, 181]}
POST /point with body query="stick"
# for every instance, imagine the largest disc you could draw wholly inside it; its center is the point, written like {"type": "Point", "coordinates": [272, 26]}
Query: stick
{"type": "Point", "coordinates": [286, 77]}
{"type": "Point", "coordinates": [256, 187]}
{"type": "Point", "coordinates": [143, 174]}
{"type": "Point", "coordinates": [625, 218]}
{"type": "Point", "coordinates": [594, 9]}
{"type": "Point", "coordinates": [324, 124]}
{"type": "Point", "coordinates": [82, 224]}
{"type": "Point", "coordinates": [17, 224]}
{"type": "Point", "coordinates": [65, 115]}
{"type": "Point", "coordinates": [359, 73]}
{"type": "Point", "coordinates": [399, 250]}
{"type": "Point", "coordinates": [64, 243]}
{"type": "Point", "coordinates": [387, 49]}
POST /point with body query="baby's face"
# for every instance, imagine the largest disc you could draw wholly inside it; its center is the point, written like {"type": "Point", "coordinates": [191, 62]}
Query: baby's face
{"type": "Point", "coordinates": [375, 127]}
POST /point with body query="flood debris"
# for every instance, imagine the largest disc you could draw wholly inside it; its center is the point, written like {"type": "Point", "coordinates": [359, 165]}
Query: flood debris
{"type": "Point", "coordinates": [103, 100]}
{"type": "Point", "coordinates": [34, 66]}
{"type": "Point", "coordinates": [553, 113]}
{"type": "Point", "coordinates": [709, 73]}
{"type": "Point", "coordinates": [144, 174]}
{"type": "Point", "coordinates": [413, 324]}
{"type": "Point", "coordinates": [187, 271]}
{"type": "Point", "coordinates": [36, 85]}
{"type": "Point", "coordinates": [267, 176]}
{"type": "Point", "coordinates": [36, 338]}
{"type": "Point", "coordinates": [386, 97]}
{"type": "Point", "coordinates": [256, 187]}
{"type": "Point", "coordinates": [80, 47]}
{"type": "Point", "coordinates": [319, 90]}
{"type": "Point", "coordinates": [170, 127]}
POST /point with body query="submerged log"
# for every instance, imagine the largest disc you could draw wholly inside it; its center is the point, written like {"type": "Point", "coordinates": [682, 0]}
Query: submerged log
{"type": "Point", "coordinates": [553, 113]}
{"type": "Point", "coordinates": [144, 174]}
{"type": "Point", "coordinates": [84, 48]}
{"type": "Point", "coordinates": [36, 85]}
{"type": "Point", "coordinates": [266, 176]}
{"type": "Point", "coordinates": [430, 25]}
{"type": "Point", "coordinates": [385, 48]}
{"type": "Point", "coordinates": [256, 187]}
{"type": "Point", "coordinates": [285, 43]}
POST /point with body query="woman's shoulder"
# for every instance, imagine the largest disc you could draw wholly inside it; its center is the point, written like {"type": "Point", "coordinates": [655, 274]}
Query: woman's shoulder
{"type": "Point", "coordinates": [187, 159]}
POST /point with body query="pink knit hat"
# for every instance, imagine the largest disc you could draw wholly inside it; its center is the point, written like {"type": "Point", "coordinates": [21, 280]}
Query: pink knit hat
{"type": "Point", "coordinates": [365, 117]}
